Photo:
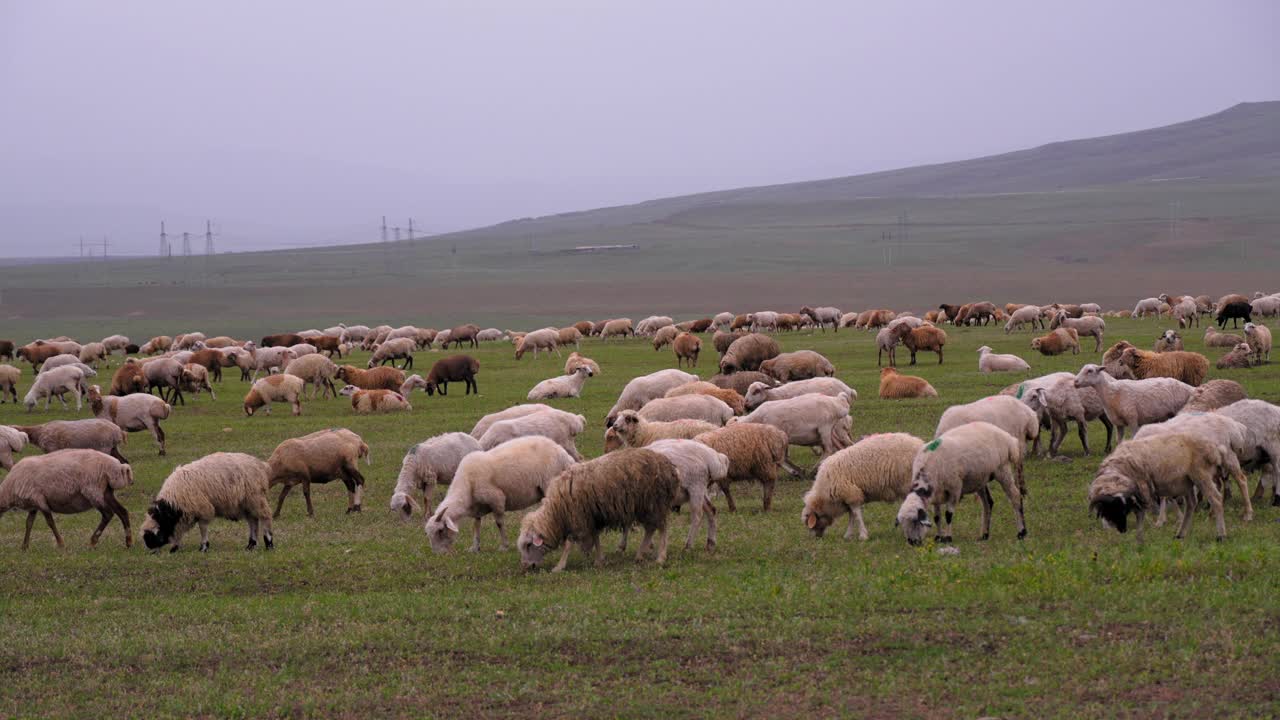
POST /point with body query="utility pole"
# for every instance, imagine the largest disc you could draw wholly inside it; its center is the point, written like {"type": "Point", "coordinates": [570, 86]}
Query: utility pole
{"type": "Point", "coordinates": [208, 237]}
{"type": "Point", "coordinates": [384, 228]}
{"type": "Point", "coordinates": [164, 241]}
{"type": "Point", "coordinates": [397, 231]}
{"type": "Point", "coordinates": [410, 228]}
{"type": "Point", "coordinates": [186, 244]}
{"type": "Point", "coordinates": [105, 242]}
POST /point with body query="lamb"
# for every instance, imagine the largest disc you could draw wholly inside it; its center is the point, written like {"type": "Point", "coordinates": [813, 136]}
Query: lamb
{"type": "Point", "coordinates": [1057, 342]}
{"type": "Point", "coordinates": [11, 441]}
{"type": "Point", "coordinates": [989, 362]}
{"type": "Point", "coordinates": [1241, 356]}
{"type": "Point", "coordinates": [510, 413]}
{"type": "Point", "coordinates": [755, 452]}
{"type": "Point", "coordinates": [1259, 337]}
{"type": "Point", "coordinates": [1022, 316]}
{"type": "Point", "coordinates": [632, 486]}
{"type": "Point", "coordinates": [129, 378]}
{"type": "Point", "coordinates": [455, 368]}
{"type": "Point", "coordinates": [1175, 465]}
{"type": "Point", "coordinates": [642, 389]}
{"type": "Point", "coordinates": [68, 481]}
{"type": "Point", "coordinates": [319, 458]}
{"type": "Point", "coordinates": [1213, 395]}
{"type": "Point", "coordinates": [507, 478]}
{"type": "Point", "coordinates": [561, 386]}
{"type": "Point", "coordinates": [1262, 443]}
{"type": "Point", "coordinates": [1186, 313]}
{"type": "Point", "coordinates": [1056, 400]}
{"type": "Point", "coordinates": [1007, 413]}
{"type": "Point", "coordinates": [894, 386]}
{"type": "Point", "coordinates": [58, 381]}
{"type": "Point", "coordinates": [701, 387]}
{"type": "Point", "coordinates": [1213, 338]}
{"type": "Point", "coordinates": [875, 469]}
{"type": "Point", "coordinates": [799, 365]}
{"type": "Point", "coordinates": [100, 435]}
{"type": "Point", "coordinates": [964, 461]}
{"type": "Point", "coordinates": [1189, 367]}
{"type": "Point", "coordinates": [811, 420]}
{"type": "Point", "coordinates": [559, 427]}
{"type": "Point", "coordinates": [748, 352]}
{"type": "Point", "coordinates": [1147, 307]}
{"type": "Point", "coordinates": [1134, 403]}
{"type": "Point", "coordinates": [226, 485]}
{"type": "Point", "coordinates": [664, 337]}
{"type": "Point", "coordinates": [621, 326]}
{"type": "Point", "coordinates": [379, 378]}
{"type": "Point", "coordinates": [1111, 361]}
{"type": "Point", "coordinates": [274, 388]}
{"type": "Point", "coordinates": [576, 361]}
{"type": "Point", "coordinates": [9, 376]}
{"type": "Point", "coordinates": [366, 402]}
{"type": "Point", "coordinates": [317, 371]}
{"type": "Point", "coordinates": [427, 464]}
{"type": "Point", "coordinates": [695, 407]}
{"type": "Point", "coordinates": [165, 376]}
{"type": "Point", "coordinates": [687, 346]}
{"type": "Point", "coordinates": [925, 337]}
{"type": "Point", "coordinates": [631, 430]}
{"type": "Point", "coordinates": [268, 358]}
{"type": "Point", "coordinates": [392, 350]}
{"type": "Point", "coordinates": [1084, 327]}
{"type": "Point", "coordinates": [823, 316]}
{"type": "Point", "coordinates": [1168, 342]}
{"type": "Point", "coordinates": [131, 413]}
{"type": "Point", "coordinates": [156, 345]}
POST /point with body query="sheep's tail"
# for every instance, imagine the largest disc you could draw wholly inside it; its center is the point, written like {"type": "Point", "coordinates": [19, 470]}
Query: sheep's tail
{"type": "Point", "coordinates": [364, 453]}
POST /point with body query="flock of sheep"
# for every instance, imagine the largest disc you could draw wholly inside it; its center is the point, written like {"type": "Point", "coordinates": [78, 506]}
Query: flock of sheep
{"type": "Point", "coordinates": [671, 438]}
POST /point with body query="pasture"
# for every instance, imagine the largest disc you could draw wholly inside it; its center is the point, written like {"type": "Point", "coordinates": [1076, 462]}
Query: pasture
{"type": "Point", "coordinates": [354, 616]}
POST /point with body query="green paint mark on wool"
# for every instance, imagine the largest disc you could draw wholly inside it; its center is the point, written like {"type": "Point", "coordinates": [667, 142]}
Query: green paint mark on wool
{"type": "Point", "coordinates": [1021, 389]}
{"type": "Point", "coordinates": [933, 445]}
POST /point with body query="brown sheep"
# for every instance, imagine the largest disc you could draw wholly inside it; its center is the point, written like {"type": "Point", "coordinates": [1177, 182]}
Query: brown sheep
{"type": "Point", "coordinates": [129, 378]}
{"type": "Point", "coordinates": [157, 344]}
{"type": "Point", "coordinates": [9, 376]}
{"type": "Point", "coordinates": [6, 349]}
{"type": "Point", "coordinates": [465, 333]}
{"type": "Point", "coordinates": [213, 361]}
{"type": "Point", "coordinates": [700, 325]}
{"type": "Point", "coordinates": [282, 340]}
{"type": "Point", "coordinates": [586, 327]}
{"type": "Point", "coordinates": [925, 337]}
{"type": "Point", "coordinates": [739, 322]}
{"type": "Point", "coordinates": [894, 386]}
{"type": "Point", "coordinates": [455, 368]}
{"type": "Point", "coordinates": [798, 365]}
{"type": "Point", "coordinates": [1057, 342]}
{"type": "Point", "coordinates": [1214, 394]}
{"type": "Point", "coordinates": [979, 313]}
{"type": "Point", "coordinates": [319, 458]}
{"type": "Point", "coordinates": [755, 453]}
{"type": "Point", "coordinates": [740, 382]}
{"type": "Point", "coordinates": [687, 347]}
{"type": "Point", "coordinates": [1189, 367]}
{"type": "Point", "coordinates": [747, 352]}
{"type": "Point", "coordinates": [379, 378]}
{"type": "Point", "coordinates": [701, 387]}
{"type": "Point", "coordinates": [37, 352]}
{"type": "Point", "coordinates": [330, 346]}
{"type": "Point", "coordinates": [722, 340]}
{"type": "Point", "coordinates": [569, 336]}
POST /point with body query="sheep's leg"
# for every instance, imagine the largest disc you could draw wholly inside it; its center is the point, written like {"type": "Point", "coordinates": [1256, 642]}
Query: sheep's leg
{"type": "Point", "coordinates": [97, 533]}
{"type": "Point", "coordinates": [355, 487]}
{"type": "Point", "coordinates": [939, 356]}
{"type": "Point", "coordinates": [855, 513]}
{"type": "Point", "coordinates": [252, 522]}
{"type": "Point", "coordinates": [306, 494]}
{"type": "Point", "coordinates": [204, 537]}
{"type": "Point", "coordinates": [695, 517]}
{"type": "Point", "coordinates": [280, 502]}
{"type": "Point", "coordinates": [1106, 422]}
{"type": "Point", "coordinates": [297, 406]}
{"type": "Point", "coordinates": [766, 490]}
{"type": "Point", "coordinates": [1162, 515]}
{"type": "Point", "coordinates": [710, 512]}
{"type": "Point", "coordinates": [26, 538]}
{"type": "Point", "coordinates": [48, 518]}
{"type": "Point", "coordinates": [622, 545]}
{"type": "Point", "coordinates": [728, 496]}
{"type": "Point", "coordinates": [791, 468]}
{"type": "Point", "coordinates": [564, 557]}
{"type": "Point", "coordinates": [1243, 484]}
{"type": "Point", "coordinates": [984, 496]}
{"type": "Point", "coordinates": [113, 505]}
{"type": "Point", "coordinates": [1188, 512]}
{"type": "Point", "coordinates": [502, 532]}
{"type": "Point", "coordinates": [475, 536]}
{"type": "Point", "coordinates": [158, 433]}
{"type": "Point", "coordinates": [1084, 435]}
{"type": "Point", "coordinates": [662, 545]}
{"type": "Point", "coordinates": [1097, 347]}
{"type": "Point", "coordinates": [645, 544]}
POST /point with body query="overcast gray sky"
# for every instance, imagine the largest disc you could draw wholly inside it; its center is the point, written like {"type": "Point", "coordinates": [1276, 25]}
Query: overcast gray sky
{"type": "Point", "coordinates": [303, 122]}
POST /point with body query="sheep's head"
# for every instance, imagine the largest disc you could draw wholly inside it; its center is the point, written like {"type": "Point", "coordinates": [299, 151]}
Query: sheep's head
{"type": "Point", "coordinates": [403, 506]}
{"type": "Point", "coordinates": [887, 372]}
{"type": "Point", "coordinates": [532, 545]}
{"type": "Point", "coordinates": [757, 393]}
{"type": "Point", "coordinates": [1089, 376]}
{"type": "Point", "coordinates": [160, 523]}
{"type": "Point", "coordinates": [984, 350]}
{"type": "Point", "coordinates": [584, 370]}
{"type": "Point", "coordinates": [441, 531]}
{"type": "Point", "coordinates": [1036, 343]}
{"type": "Point", "coordinates": [913, 518]}
{"type": "Point", "coordinates": [818, 513]}
{"type": "Point", "coordinates": [625, 424]}
{"type": "Point", "coordinates": [1112, 498]}
{"type": "Point", "coordinates": [348, 390]}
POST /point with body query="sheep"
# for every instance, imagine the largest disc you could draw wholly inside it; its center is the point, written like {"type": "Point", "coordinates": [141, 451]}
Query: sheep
{"type": "Point", "coordinates": [1213, 338]}
{"type": "Point", "coordinates": [444, 338]}
{"type": "Point", "coordinates": [740, 322]}
{"type": "Point", "coordinates": [1265, 306]}
{"type": "Point", "coordinates": [621, 326]}
{"type": "Point", "coordinates": [366, 402]}
{"type": "Point", "coordinates": [1086, 326]}
{"type": "Point", "coordinates": [811, 420]}
{"type": "Point", "coordinates": [58, 381]}
{"type": "Point", "coordinates": [281, 340]}
{"type": "Point", "coordinates": [379, 378]}
{"type": "Point", "coordinates": [92, 352]}
{"type": "Point", "coordinates": [38, 352]}
{"type": "Point", "coordinates": [241, 358]}
{"type": "Point", "coordinates": [455, 368]}
{"type": "Point", "coordinates": [979, 314]}
{"type": "Point", "coordinates": [461, 334]}
{"type": "Point", "coordinates": [64, 360]}
{"type": "Point", "coordinates": [763, 320]}
{"type": "Point", "coordinates": [9, 376]}
{"type": "Point", "coordinates": [687, 346]}
{"type": "Point", "coordinates": [1216, 428]}
{"type": "Point", "coordinates": [722, 320]}
{"type": "Point", "coordinates": [1056, 401]}
{"type": "Point", "coordinates": [1007, 413]}
{"type": "Point", "coordinates": [157, 344]}
{"type": "Point", "coordinates": [569, 336]}
{"type": "Point", "coordinates": [849, 320]}
{"type": "Point", "coordinates": [664, 337]}
{"type": "Point", "coordinates": [1214, 394]}
{"type": "Point", "coordinates": [392, 350]}
{"type": "Point", "coordinates": [887, 340]}
{"type": "Point", "coordinates": [1134, 403]}
{"type": "Point", "coordinates": [799, 365]}
{"type": "Point", "coordinates": [696, 407]}
{"type": "Point", "coordinates": [759, 393]}
{"type": "Point", "coordinates": [576, 361]}
{"type": "Point", "coordinates": [722, 340]}
{"type": "Point", "coordinates": [1262, 442]}
{"type": "Point", "coordinates": [101, 435]}
{"type": "Point", "coordinates": [748, 352]}
{"type": "Point", "coordinates": [1057, 342]}
{"type": "Point", "coordinates": [740, 382]}
{"type": "Point", "coordinates": [68, 482]}
{"type": "Point", "coordinates": [560, 427]}
{"type": "Point", "coordinates": [701, 387]}
{"type": "Point", "coordinates": [164, 375]}
{"type": "Point", "coordinates": [507, 478]}
{"type": "Point", "coordinates": [1241, 356]}
{"type": "Point", "coordinates": [7, 348]}
{"type": "Point", "coordinates": [875, 469]}
{"type": "Point", "coordinates": [1259, 338]}
{"type": "Point", "coordinates": [195, 378]}
{"type": "Point", "coordinates": [561, 386]}
{"type": "Point", "coordinates": [510, 413]}
{"type": "Point", "coordinates": [11, 441]}
{"type": "Point", "coordinates": [1094, 308]}
{"type": "Point", "coordinates": [226, 485]}
{"type": "Point", "coordinates": [963, 461]}
{"type": "Point", "coordinates": [302, 349]}
{"type": "Point", "coordinates": [1234, 308]}
{"type": "Point", "coordinates": [426, 464]}
{"type": "Point", "coordinates": [822, 316]}
{"type": "Point", "coordinates": [318, 458]}
{"type": "Point", "coordinates": [913, 518]}
{"type": "Point", "coordinates": [212, 360]}
{"type": "Point", "coordinates": [632, 430]}
{"type": "Point", "coordinates": [989, 362]}
{"type": "Point", "coordinates": [925, 337]}
{"type": "Point", "coordinates": [1111, 361]}
{"type": "Point", "coordinates": [1167, 342]}
{"type": "Point", "coordinates": [642, 389]}
{"type": "Point", "coordinates": [1189, 367]}
{"type": "Point", "coordinates": [894, 386]}
{"type": "Point", "coordinates": [269, 357]}
{"type": "Point", "coordinates": [755, 452]}
{"type": "Point", "coordinates": [632, 486]}
{"type": "Point", "coordinates": [545, 339]}
{"type": "Point", "coordinates": [652, 324]}
{"type": "Point", "coordinates": [1022, 316]}
{"type": "Point", "coordinates": [275, 388]}
{"type": "Point", "coordinates": [317, 371]}
{"type": "Point", "coordinates": [698, 467]}
{"type": "Point", "coordinates": [1186, 313]}
{"type": "Point", "coordinates": [132, 413]}
{"type": "Point", "coordinates": [411, 383]}
{"type": "Point", "coordinates": [129, 378]}
{"type": "Point", "coordinates": [1174, 465]}
{"type": "Point", "coordinates": [1146, 307]}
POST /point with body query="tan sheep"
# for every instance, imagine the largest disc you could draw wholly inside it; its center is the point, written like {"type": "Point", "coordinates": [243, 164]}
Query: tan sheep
{"type": "Point", "coordinates": [925, 338]}
{"type": "Point", "coordinates": [894, 386]}
{"type": "Point", "coordinates": [569, 336]}
{"type": "Point", "coordinates": [319, 458]}
{"type": "Point", "coordinates": [221, 485]}
{"type": "Point", "coordinates": [613, 328]}
{"type": "Point", "coordinates": [1057, 342]}
{"type": "Point", "coordinates": [1189, 367]}
{"type": "Point", "coordinates": [755, 453]}
{"type": "Point", "coordinates": [366, 402]}
{"type": "Point", "coordinates": [131, 413]}
{"type": "Point", "coordinates": [576, 361]}
{"type": "Point", "coordinates": [1213, 338]}
{"type": "Point", "coordinates": [67, 481]}
{"type": "Point", "coordinates": [1259, 338]}
{"type": "Point", "coordinates": [9, 377]}
{"type": "Point", "coordinates": [748, 352]}
{"type": "Point", "coordinates": [100, 435]}
{"type": "Point", "coordinates": [157, 344]}
{"type": "Point", "coordinates": [392, 350]}
{"type": "Point", "coordinates": [664, 336]}
{"type": "Point", "coordinates": [701, 387]}
{"type": "Point", "coordinates": [274, 388]}
{"type": "Point", "coordinates": [798, 365]}
{"type": "Point", "coordinates": [875, 469]}
{"type": "Point", "coordinates": [317, 371]}
{"type": "Point", "coordinates": [687, 346]}
{"type": "Point", "coordinates": [698, 407]}
{"type": "Point", "coordinates": [1214, 394]}
{"type": "Point", "coordinates": [11, 441]}
{"type": "Point", "coordinates": [1241, 356]}
{"type": "Point", "coordinates": [380, 378]}
{"type": "Point", "coordinates": [632, 430]}
{"type": "Point", "coordinates": [195, 378]}
{"type": "Point", "coordinates": [1084, 326]}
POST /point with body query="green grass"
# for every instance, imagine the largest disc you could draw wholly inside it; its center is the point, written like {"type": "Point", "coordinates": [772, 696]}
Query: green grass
{"type": "Point", "coordinates": [353, 616]}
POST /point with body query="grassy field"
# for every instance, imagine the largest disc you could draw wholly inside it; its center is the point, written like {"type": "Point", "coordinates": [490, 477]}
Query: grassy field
{"type": "Point", "coordinates": [353, 616]}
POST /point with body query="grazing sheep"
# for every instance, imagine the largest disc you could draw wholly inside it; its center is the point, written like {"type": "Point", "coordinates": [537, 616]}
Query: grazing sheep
{"type": "Point", "coordinates": [687, 346]}
{"type": "Point", "coordinates": [612, 328]}
{"type": "Point", "coordinates": [913, 518]}
{"type": "Point", "coordinates": [1241, 356]}
{"type": "Point", "coordinates": [490, 334]}
{"type": "Point", "coordinates": [461, 334]}
{"type": "Point", "coordinates": [1007, 413]}
{"type": "Point", "coordinates": [281, 340]}
{"type": "Point", "coordinates": [1268, 305]}
{"type": "Point", "coordinates": [303, 349]}
{"type": "Point", "coordinates": [748, 352]}
{"type": "Point", "coordinates": [699, 467]}
{"type": "Point", "coordinates": [156, 345]}
{"type": "Point", "coordinates": [618, 490]}
{"type": "Point", "coordinates": [755, 452]}
{"type": "Point", "coordinates": [875, 469]}
{"type": "Point", "coordinates": [1213, 395]}
{"type": "Point", "coordinates": [964, 461]}
{"type": "Point", "coordinates": [763, 320]}
{"type": "Point", "coordinates": [129, 378]}
{"type": "Point", "coordinates": [559, 427]}
{"type": "Point", "coordinates": [510, 413]}
{"type": "Point", "coordinates": [1189, 367]}
{"type": "Point", "coordinates": [632, 430]}
{"type": "Point", "coordinates": [740, 322]}
{"type": "Point", "coordinates": [722, 320]}
{"type": "Point", "coordinates": [1134, 403]}
{"type": "Point", "coordinates": [816, 421]}
{"type": "Point", "coordinates": [653, 323]}
{"type": "Point", "coordinates": [799, 365]}
{"type": "Point", "coordinates": [1176, 466]}
{"type": "Point", "coordinates": [1056, 401]}
{"type": "Point", "coordinates": [268, 358]}
{"type": "Point", "coordinates": [695, 407]}
{"type": "Point", "coordinates": [317, 371]}
{"type": "Point", "coordinates": [392, 350]}
{"type": "Point", "coordinates": [319, 458]}
{"type": "Point", "coordinates": [722, 340]}
{"type": "Point", "coordinates": [131, 413]}
{"type": "Point", "coordinates": [366, 402]}
{"type": "Point", "coordinates": [64, 360]}
{"type": "Point", "coordinates": [759, 393]}
{"type": "Point", "coordinates": [1147, 307]}
{"type": "Point", "coordinates": [100, 435]}
{"type": "Point", "coordinates": [274, 388]}
{"type": "Point", "coordinates": [92, 352]}
{"type": "Point", "coordinates": [427, 464]}
{"type": "Point", "coordinates": [641, 390]}
{"type": "Point", "coordinates": [67, 482]}
{"type": "Point", "coordinates": [576, 361]}
{"type": "Point", "coordinates": [1234, 308]}
{"type": "Point", "coordinates": [894, 386]}
{"type": "Point", "coordinates": [925, 337]}
{"type": "Point", "coordinates": [1085, 327]}
{"type": "Point", "coordinates": [510, 477]}
{"type": "Point", "coordinates": [1216, 428]}
{"type": "Point", "coordinates": [1213, 338]}
{"type": "Point", "coordinates": [455, 368]}
{"type": "Point", "coordinates": [569, 336]}
{"type": "Point", "coordinates": [823, 316]}
{"type": "Point", "coordinates": [226, 485]}
{"type": "Point", "coordinates": [444, 338]}
{"type": "Point", "coordinates": [379, 378]}
{"type": "Point", "coordinates": [664, 337]}
{"type": "Point", "coordinates": [545, 339]}
{"type": "Point", "coordinates": [1057, 342]}
{"type": "Point", "coordinates": [212, 360]}
{"type": "Point", "coordinates": [194, 379]}
{"type": "Point", "coordinates": [164, 375]}
{"type": "Point", "coordinates": [741, 382]}
{"type": "Point", "coordinates": [561, 386]}
{"type": "Point", "coordinates": [1259, 337]}
{"type": "Point", "coordinates": [701, 387]}
{"type": "Point", "coordinates": [989, 362]}
{"type": "Point", "coordinates": [9, 376]}
{"type": "Point", "coordinates": [11, 441]}
{"type": "Point", "coordinates": [1168, 342]}
{"type": "Point", "coordinates": [58, 381]}
{"type": "Point", "coordinates": [1261, 420]}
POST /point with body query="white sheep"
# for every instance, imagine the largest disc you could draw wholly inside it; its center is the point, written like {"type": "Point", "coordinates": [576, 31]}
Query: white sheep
{"type": "Point", "coordinates": [759, 393]}
{"type": "Point", "coordinates": [12, 441]}
{"type": "Point", "coordinates": [507, 478]}
{"type": "Point", "coordinates": [964, 461]}
{"type": "Point", "coordinates": [694, 407]}
{"type": "Point", "coordinates": [1261, 420]}
{"type": "Point", "coordinates": [642, 389]}
{"type": "Point", "coordinates": [560, 427]}
{"type": "Point", "coordinates": [809, 420]}
{"type": "Point", "coordinates": [1147, 306]}
{"type": "Point", "coordinates": [427, 464]}
{"type": "Point", "coordinates": [509, 414]}
{"type": "Point", "coordinates": [700, 469]}
{"type": "Point", "coordinates": [989, 362]}
{"type": "Point", "coordinates": [562, 386]}
{"type": "Point", "coordinates": [317, 371]}
{"type": "Point", "coordinates": [1259, 337]}
{"type": "Point", "coordinates": [1134, 403]}
{"type": "Point", "coordinates": [274, 388]}
{"type": "Point", "coordinates": [722, 320]}
{"type": "Point", "coordinates": [67, 481]}
{"type": "Point", "coordinates": [1056, 401]}
{"type": "Point", "coordinates": [1024, 315]}
{"type": "Point", "coordinates": [225, 485]}
{"type": "Point", "coordinates": [1007, 413]}
{"type": "Point", "coordinates": [547, 339]}
{"type": "Point", "coordinates": [875, 469]}
{"type": "Point", "coordinates": [913, 518]}
{"type": "Point", "coordinates": [394, 349]}
{"type": "Point", "coordinates": [132, 412]}
{"type": "Point", "coordinates": [1216, 428]}
{"type": "Point", "coordinates": [269, 358]}
{"type": "Point", "coordinates": [58, 381]}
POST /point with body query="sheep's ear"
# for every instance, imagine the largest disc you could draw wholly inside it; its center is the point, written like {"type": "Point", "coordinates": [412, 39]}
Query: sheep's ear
{"type": "Point", "coordinates": [811, 521]}
{"type": "Point", "coordinates": [922, 517]}
{"type": "Point", "coordinates": [449, 523]}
